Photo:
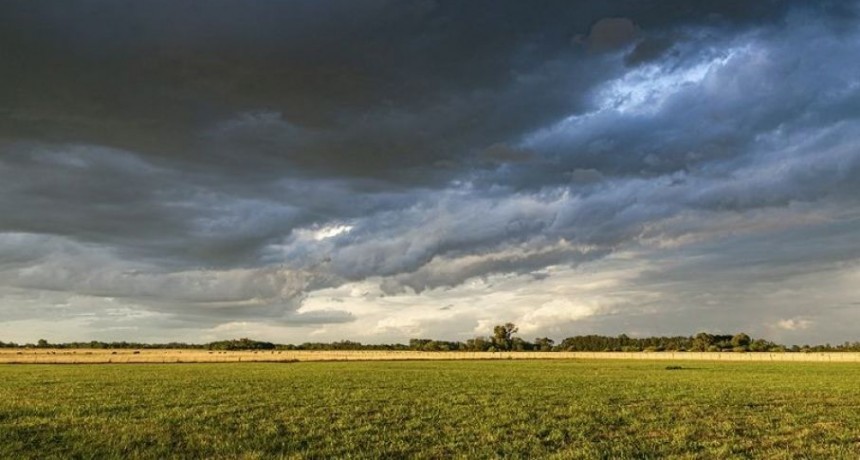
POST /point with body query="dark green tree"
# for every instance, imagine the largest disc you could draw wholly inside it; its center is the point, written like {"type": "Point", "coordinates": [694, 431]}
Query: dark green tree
{"type": "Point", "coordinates": [478, 344]}
{"type": "Point", "coordinates": [702, 342]}
{"type": "Point", "coordinates": [503, 336]}
{"type": "Point", "coordinates": [544, 344]}
{"type": "Point", "coordinates": [741, 341]}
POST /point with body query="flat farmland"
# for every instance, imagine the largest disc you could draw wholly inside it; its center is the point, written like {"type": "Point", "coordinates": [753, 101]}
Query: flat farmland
{"type": "Point", "coordinates": [432, 409]}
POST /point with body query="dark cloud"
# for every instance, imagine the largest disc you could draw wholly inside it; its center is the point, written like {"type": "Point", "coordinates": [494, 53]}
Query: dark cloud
{"type": "Point", "coordinates": [610, 34]}
{"type": "Point", "coordinates": [379, 86]}
{"type": "Point", "coordinates": [648, 49]}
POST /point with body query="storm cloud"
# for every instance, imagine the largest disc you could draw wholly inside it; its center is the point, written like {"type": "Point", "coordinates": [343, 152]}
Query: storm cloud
{"type": "Point", "coordinates": [377, 170]}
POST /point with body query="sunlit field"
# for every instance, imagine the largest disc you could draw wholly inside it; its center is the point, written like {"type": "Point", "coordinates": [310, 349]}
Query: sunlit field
{"type": "Point", "coordinates": [423, 409]}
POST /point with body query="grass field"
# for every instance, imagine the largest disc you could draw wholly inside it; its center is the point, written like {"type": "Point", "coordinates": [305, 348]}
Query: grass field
{"type": "Point", "coordinates": [424, 409]}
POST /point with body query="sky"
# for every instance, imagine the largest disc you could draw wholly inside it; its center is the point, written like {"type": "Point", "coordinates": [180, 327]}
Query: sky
{"type": "Point", "coordinates": [317, 170]}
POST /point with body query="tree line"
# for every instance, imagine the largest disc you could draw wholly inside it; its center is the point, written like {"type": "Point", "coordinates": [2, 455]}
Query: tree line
{"type": "Point", "coordinates": [503, 338]}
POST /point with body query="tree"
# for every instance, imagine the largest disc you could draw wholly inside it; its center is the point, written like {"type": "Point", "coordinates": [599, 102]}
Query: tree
{"type": "Point", "coordinates": [702, 342]}
{"type": "Point", "coordinates": [42, 343]}
{"type": "Point", "coordinates": [544, 344]}
{"type": "Point", "coordinates": [503, 336]}
{"type": "Point", "coordinates": [478, 344]}
{"type": "Point", "coordinates": [741, 341]}
{"type": "Point", "coordinates": [518, 344]}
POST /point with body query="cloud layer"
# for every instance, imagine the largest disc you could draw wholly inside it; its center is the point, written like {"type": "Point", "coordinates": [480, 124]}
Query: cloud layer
{"type": "Point", "coordinates": [375, 171]}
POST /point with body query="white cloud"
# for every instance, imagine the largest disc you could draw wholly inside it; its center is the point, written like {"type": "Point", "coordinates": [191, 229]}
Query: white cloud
{"type": "Point", "coordinates": [793, 324]}
{"type": "Point", "coordinates": [557, 311]}
{"type": "Point", "coordinates": [644, 90]}
{"type": "Point", "coordinates": [322, 233]}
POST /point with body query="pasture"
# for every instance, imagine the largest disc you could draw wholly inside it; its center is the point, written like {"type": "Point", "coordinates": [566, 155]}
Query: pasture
{"type": "Point", "coordinates": [432, 409]}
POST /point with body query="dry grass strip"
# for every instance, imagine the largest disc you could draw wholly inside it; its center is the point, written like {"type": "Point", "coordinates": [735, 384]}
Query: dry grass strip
{"type": "Point", "coordinates": [88, 356]}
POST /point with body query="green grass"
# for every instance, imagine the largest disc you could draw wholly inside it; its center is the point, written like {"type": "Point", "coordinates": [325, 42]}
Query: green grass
{"type": "Point", "coordinates": [459, 409]}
